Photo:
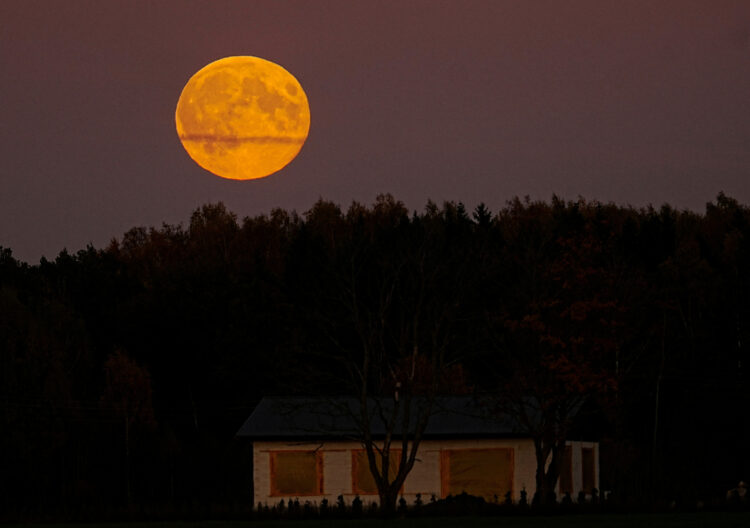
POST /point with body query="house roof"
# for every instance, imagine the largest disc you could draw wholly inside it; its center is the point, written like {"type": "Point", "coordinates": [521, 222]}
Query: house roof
{"type": "Point", "coordinates": [317, 418]}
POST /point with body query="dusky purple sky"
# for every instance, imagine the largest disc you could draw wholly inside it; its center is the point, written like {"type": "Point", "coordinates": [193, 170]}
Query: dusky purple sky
{"type": "Point", "coordinates": [633, 102]}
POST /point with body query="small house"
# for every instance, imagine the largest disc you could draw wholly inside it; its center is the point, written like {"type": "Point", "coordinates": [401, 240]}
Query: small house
{"type": "Point", "coordinates": [309, 450]}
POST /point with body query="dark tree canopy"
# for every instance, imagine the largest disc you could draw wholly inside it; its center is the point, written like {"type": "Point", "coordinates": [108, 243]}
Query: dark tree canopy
{"type": "Point", "coordinates": [626, 325]}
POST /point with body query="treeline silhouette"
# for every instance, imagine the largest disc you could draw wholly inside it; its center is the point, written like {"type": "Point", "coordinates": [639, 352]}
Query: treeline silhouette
{"type": "Point", "coordinates": [127, 370]}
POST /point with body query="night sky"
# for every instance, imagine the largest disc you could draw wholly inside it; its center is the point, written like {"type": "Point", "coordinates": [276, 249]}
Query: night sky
{"type": "Point", "coordinates": [635, 102]}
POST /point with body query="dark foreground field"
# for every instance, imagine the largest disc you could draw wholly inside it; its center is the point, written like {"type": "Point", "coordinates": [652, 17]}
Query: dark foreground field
{"type": "Point", "coordinates": [666, 520]}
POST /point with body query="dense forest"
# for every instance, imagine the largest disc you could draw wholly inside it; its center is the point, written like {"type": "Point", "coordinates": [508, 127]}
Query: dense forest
{"type": "Point", "coordinates": [127, 370]}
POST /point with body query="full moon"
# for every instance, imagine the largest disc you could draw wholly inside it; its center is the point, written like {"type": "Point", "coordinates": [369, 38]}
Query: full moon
{"type": "Point", "coordinates": [242, 118]}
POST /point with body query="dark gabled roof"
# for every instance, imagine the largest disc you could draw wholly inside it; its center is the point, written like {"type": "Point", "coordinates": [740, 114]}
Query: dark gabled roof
{"type": "Point", "coordinates": [318, 418]}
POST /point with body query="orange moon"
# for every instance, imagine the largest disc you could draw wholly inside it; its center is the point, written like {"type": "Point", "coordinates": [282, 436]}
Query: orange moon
{"type": "Point", "coordinates": [242, 118]}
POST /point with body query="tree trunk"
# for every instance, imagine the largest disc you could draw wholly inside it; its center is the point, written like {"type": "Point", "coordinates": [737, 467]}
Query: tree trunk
{"type": "Point", "coordinates": [541, 487]}
{"type": "Point", "coordinates": [546, 476]}
{"type": "Point", "coordinates": [542, 493]}
{"type": "Point", "coordinates": [553, 473]}
{"type": "Point", "coordinates": [388, 503]}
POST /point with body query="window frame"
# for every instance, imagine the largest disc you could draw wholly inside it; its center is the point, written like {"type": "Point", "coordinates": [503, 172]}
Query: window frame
{"type": "Point", "coordinates": [445, 467]}
{"type": "Point", "coordinates": [273, 463]}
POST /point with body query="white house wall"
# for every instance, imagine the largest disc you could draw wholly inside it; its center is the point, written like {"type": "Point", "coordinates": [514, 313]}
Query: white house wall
{"type": "Point", "coordinates": [425, 477]}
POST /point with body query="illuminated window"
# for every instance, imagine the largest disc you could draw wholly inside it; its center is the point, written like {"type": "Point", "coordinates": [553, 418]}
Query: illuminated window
{"type": "Point", "coordinates": [589, 469]}
{"type": "Point", "coordinates": [363, 483]}
{"type": "Point", "coordinates": [296, 473]}
{"type": "Point", "coordinates": [480, 472]}
{"type": "Point", "coordinates": [566, 471]}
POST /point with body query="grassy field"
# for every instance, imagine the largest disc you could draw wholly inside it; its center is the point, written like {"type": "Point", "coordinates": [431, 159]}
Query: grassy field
{"type": "Point", "coordinates": [666, 520]}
